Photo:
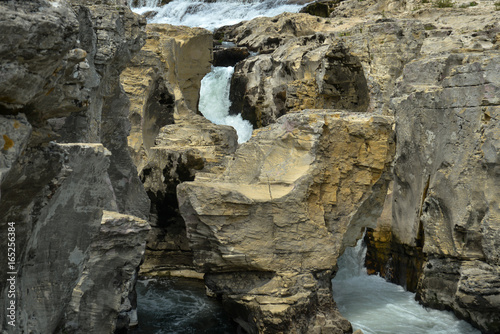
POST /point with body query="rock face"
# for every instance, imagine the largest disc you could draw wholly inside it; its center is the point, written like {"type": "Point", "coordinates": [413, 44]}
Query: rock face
{"type": "Point", "coordinates": [268, 231]}
{"type": "Point", "coordinates": [433, 69]}
{"type": "Point", "coordinates": [306, 72]}
{"type": "Point", "coordinates": [181, 151]}
{"type": "Point", "coordinates": [77, 203]}
{"type": "Point", "coordinates": [163, 79]}
{"type": "Point", "coordinates": [444, 226]}
{"type": "Point", "coordinates": [336, 65]}
{"type": "Point", "coordinates": [446, 185]}
{"type": "Point", "coordinates": [168, 140]}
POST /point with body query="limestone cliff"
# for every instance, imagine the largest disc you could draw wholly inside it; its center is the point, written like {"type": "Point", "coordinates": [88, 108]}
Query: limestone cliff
{"type": "Point", "coordinates": [268, 231]}
{"type": "Point", "coordinates": [68, 184]}
{"type": "Point", "coordinates": [168, 140]}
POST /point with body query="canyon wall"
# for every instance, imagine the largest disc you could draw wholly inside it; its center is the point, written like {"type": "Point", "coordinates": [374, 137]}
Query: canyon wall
{"type": "Point", "coordinates": [69, 187]}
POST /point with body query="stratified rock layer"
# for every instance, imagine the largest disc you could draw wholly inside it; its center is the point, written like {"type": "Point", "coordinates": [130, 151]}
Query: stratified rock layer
{"type": "Point", "coordinates": [447, 185]}
{"type": "Point", "coordinates": [76, 204]}
{"type": "Point", "coordinates": [269, 230]}
{"type": "Point", "coordinates": [168, 140]}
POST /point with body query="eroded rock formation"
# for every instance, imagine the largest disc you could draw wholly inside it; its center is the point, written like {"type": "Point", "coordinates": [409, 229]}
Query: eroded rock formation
{"type": "Point", "coordinates": [268, 231]}
{"type": "Point", "coordinates": [168, 140]}
{"type": "Point", "coordinates": [68, 184]}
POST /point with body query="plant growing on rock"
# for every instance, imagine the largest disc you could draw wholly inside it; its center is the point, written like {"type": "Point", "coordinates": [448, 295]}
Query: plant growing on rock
{"type": "Point", "coordinates": [444, 4]}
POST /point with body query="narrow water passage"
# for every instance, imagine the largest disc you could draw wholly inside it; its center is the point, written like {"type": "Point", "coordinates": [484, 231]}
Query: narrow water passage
{"type": "Point", "coordinates": [379, 307]}
{"type": "Point", "coordinates": [214, 102]}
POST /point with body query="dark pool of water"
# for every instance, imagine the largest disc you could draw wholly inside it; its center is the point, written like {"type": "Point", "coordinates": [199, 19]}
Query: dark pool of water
{"type": "Point", "coordinates": [178, 306]}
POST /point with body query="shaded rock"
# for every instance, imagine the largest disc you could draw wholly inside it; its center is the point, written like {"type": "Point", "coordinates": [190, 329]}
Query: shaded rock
{"type": "Point", "coordinates": [15, 132]}
{"type": "Point", "coordinates": [66, 212]}
{"type": "Point", "coordinates": [68, 58]}
{"type": "Point", "coordinates": [229, 56]}
{"type": "Point", "coordinates": [274, 223]}
{"type": "Point", "coordinates": [126, 236]}
{"type": "Point", "coordinates": [307, 72]}
{"type": "Point", "coordinates": [320, 9]}
{"type": "Point", "coordinates": [181, 152]}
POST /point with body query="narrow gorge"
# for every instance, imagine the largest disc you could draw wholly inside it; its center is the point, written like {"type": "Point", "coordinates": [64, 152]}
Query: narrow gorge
{"type": "Point", "coordinates": [248, 145]}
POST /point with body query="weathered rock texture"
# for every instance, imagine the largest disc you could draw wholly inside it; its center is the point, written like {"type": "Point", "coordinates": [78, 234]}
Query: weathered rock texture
{"type": "Point", "coordinates": [443, 235]}
{"type": "Point", "coordinates": [335, 65]}
{"type": "Point", "coordinates": [76, 264]}
{"type": "Point", "coordinates": [446, 185]}
{"type": "Point", "coordinates": [433, 68]}
{"type": "Point", "coordinates": [164, 79]}
{"type": "Point", "coordinates": [181, 151]}
{"type": "Point", "coordinates": [306, 72]}
{"type": "Point", "coordinates": [268, 231]}
{"type": "Point", "coordinates": [168, 140]}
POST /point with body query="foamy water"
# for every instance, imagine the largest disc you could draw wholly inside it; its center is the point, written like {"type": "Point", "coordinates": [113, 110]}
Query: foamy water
{"type": "Point", "coordinates": [379, 307]}
{"type": "Point", "coordinates": [214, 102]}
{"type": "Point", "coordinates": [211, 15]}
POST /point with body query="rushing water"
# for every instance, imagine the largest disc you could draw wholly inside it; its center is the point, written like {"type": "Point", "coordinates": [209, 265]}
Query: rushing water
{"type": "Point", "coordinates": [178, 306]}
{"type": "Point", "coordinates": [211, 15]}
{"type": "Point", "coordinates": [378, 307]}
{"type": "Point", "coordinates": [214, 102]}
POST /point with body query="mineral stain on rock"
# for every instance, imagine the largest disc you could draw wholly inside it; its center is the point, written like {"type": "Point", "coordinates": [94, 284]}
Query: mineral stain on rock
{"type": "Point", "coordinates": [8, 143]}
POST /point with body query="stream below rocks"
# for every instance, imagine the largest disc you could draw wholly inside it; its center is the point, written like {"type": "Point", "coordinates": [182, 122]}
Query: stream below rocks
{"type": "Point", "coordinates": [378, 307]}
{"type": "Point", "coordinates": [178, 306]}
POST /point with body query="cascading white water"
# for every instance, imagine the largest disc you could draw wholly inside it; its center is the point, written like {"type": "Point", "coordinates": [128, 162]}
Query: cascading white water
{"type": "Point", "coordinates": [379, 307]}
{"type": "Point", "coordinates": [212, 14]}
{"type": "Point", "coordinates": [214, 102]}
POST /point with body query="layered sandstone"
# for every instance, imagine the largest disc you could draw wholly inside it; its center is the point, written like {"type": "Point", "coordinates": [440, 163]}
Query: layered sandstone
{"type": "Point", "coordinates": [68, 183]}
{"type": "Point", "coordinates": [168, 140]}
{"type": "Point", "coordinates": [268, 231]}
{"type": "Point", "coordinates": [162, 80]}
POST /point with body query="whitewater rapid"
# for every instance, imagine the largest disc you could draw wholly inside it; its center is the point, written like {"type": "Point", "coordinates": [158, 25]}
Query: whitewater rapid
{"type": "Point", "coordinates": [212, 15]}
{"type": "Point", "coordinates": [214, 102]}
{"type": "Point", "coordinates": [379, 307]}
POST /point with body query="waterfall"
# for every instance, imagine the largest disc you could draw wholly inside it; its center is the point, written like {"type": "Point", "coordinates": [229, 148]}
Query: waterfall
{"type": "Point", "coordinates": [379, 307]}
{"type": "Point", "coordinates": [214, 102]}
{"type": "Point", "coordinates": [212, 14]}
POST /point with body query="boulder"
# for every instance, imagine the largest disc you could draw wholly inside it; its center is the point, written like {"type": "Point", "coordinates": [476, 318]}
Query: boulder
{"type": "Point", "coordinates": [197, 147]}
{"type": "Point", "coordinates": [269, 229]}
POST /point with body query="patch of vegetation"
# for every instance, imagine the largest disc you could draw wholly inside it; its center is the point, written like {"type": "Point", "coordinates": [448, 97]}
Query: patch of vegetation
{"type": "Point", "coordinates": [443, 4]}
{"type": "Point", "coordinates": [426, 1]}
{"type": "Point", "coordinates": [497, 5]}
{"type": "Point", "coordinates": [470, 4]}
